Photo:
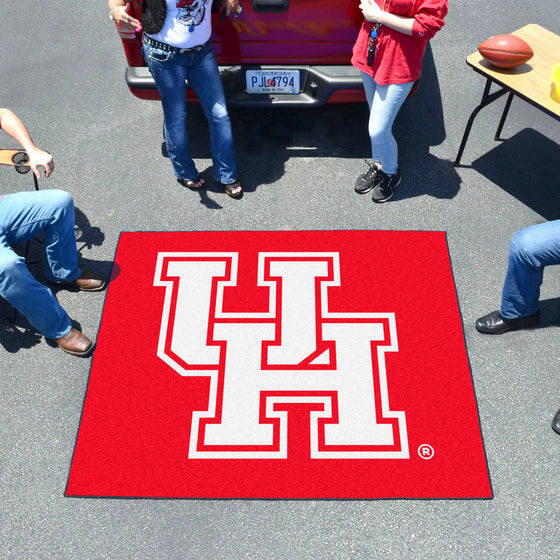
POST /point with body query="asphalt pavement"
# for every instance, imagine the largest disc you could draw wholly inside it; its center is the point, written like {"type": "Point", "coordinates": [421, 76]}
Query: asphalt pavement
{"type": "Point", "coordinates": [62, 71]}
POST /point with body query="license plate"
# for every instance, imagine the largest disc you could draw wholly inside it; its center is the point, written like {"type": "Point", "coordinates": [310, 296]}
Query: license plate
{"type": "Point", "coordinates": [272, 81]}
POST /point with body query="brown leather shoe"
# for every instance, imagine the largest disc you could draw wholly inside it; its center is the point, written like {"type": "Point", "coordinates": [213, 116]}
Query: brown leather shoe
{"type": "Point", "coordinates": [88, 281]}
{"type": "Point", "coordinates": [75, 343]}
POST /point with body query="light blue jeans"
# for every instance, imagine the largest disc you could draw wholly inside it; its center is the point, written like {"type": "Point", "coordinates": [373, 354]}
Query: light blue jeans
{"type": "Point", "coordinates": [25, 215]}
{"type": "Point", "coordinates": [384, 104]}
{"type": "Point", "coordinates": [170, 70]}
{"type": "Point", "coordinates": [530, 251]}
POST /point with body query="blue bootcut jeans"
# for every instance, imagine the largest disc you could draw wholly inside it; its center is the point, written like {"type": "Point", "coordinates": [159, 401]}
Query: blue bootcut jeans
{"type": "Point", "coordinates": [170, 70]}
{"type": "Point", "coordinates": [530, 251]}
{"type": "Point", "coordinates": [25, 215]}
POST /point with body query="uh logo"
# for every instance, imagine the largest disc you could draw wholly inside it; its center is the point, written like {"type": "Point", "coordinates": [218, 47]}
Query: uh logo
{"type": "Point", "coordinates": [294, 353]}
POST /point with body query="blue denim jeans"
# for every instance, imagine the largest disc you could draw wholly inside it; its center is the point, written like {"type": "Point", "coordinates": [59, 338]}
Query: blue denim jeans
{"type": "Point", "coordinates": [384, 104]}
{"type": "Point", "coordinates": [530, 251]}
{"type": "Point", "coordinates": [23, 216]}
{"type": "Point", "coordinates": [170, 70]}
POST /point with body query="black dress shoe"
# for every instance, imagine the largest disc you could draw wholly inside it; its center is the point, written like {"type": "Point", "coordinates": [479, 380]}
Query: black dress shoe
{"type": "Point", "coordinates": [556, 422]}
{"type": "Point", "coordinates": [494, 323]}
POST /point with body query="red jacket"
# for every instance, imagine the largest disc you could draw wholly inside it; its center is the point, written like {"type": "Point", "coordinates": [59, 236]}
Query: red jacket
{"type": "Point", "coordinates": [398, 57]}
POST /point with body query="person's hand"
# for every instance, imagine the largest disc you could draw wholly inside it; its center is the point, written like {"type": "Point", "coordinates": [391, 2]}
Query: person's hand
{"type": "Point", "coordinates": [125, 20]}
{"type": "Point", "coordinates": [371, 11]}
{"type": "Point", "coordinates": [230, 6]}
{"type": "Point", "coordinates": [39, 158]}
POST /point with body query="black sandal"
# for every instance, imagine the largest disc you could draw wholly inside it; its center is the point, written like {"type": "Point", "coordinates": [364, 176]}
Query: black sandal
{"type": "Point", "coordinates": [193, 184]}
{"type": "Point", "coordinates": [235, 190]}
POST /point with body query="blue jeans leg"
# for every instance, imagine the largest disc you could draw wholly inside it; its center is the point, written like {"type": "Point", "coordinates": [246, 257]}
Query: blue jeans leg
{"type": "Point", "coordinates": [530, 251]}
{"type": "Point", "coordinates": [22, 217]}
{"type": "Point", "coordinates": [170, 70]}
{"type": "Point", "coordinates": [384, 102]}
{"type": "Point", "coordinates": [170, 75]}
{"type": "Point", "coordinates": [206, 82]}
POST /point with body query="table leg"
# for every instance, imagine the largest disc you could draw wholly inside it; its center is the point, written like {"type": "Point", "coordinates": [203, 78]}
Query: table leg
{"type": "Point", "coordinates": [504, 116]}
{"type": "Point", "coordinates": [487, 98]}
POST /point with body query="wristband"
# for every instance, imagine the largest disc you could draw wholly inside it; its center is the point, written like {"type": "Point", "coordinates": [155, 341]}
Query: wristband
{"type": "Point", "coordinates": [111, 16]}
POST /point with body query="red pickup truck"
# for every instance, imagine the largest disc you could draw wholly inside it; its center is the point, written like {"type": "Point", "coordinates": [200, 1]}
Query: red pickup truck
{"type": "Point", "coordinates": [277, 52]}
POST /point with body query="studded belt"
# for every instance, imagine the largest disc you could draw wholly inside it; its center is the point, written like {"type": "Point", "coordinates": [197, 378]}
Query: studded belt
{"type": "Point", "coordinates": [165, 47]}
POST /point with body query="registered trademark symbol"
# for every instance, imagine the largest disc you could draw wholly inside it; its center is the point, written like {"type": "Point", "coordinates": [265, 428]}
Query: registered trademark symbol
{"type": "Point", "coordinates": [426, 451]}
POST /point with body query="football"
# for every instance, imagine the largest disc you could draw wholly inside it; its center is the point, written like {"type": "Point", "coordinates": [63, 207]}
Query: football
{"type": "Point", "coordinates": [505, 51]}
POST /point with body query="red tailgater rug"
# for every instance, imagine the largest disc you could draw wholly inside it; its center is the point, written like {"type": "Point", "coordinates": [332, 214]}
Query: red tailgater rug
{"type": "Point", "coordinates": [308, 364]}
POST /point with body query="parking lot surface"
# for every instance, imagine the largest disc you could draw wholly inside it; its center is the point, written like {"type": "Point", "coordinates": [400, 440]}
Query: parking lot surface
{"type": "Point", "coordinates": [63, 74]}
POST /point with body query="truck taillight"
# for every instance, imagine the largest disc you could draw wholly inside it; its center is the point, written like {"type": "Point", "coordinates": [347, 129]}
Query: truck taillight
{"type": "Point", "coordinates": [124, 34]}
{"type": "Point", "coordinates": [132, 45]}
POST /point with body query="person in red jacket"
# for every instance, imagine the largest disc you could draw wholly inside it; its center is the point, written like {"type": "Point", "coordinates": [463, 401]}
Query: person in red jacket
{"type": "Point", "coordinates": [389, 51]}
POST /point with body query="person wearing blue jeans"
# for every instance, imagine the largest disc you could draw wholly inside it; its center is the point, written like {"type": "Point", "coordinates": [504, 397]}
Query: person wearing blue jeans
{"type": "Point", "coordinates": [177, 47]}
{"type": "Point", "coordinates": [530, 251]}
{"type": "Point", "coordinates": [388, 52]}
{"type": "Point", "coordinates": [25, 215]}
{"type": "Point", "coordinates": [384, 103]}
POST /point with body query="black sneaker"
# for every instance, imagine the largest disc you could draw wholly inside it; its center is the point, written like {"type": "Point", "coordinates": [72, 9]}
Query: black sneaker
{"type": "Point", "coordinates": [366, 181]}
{"type": "Point", "coordinates": [386, 187]}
